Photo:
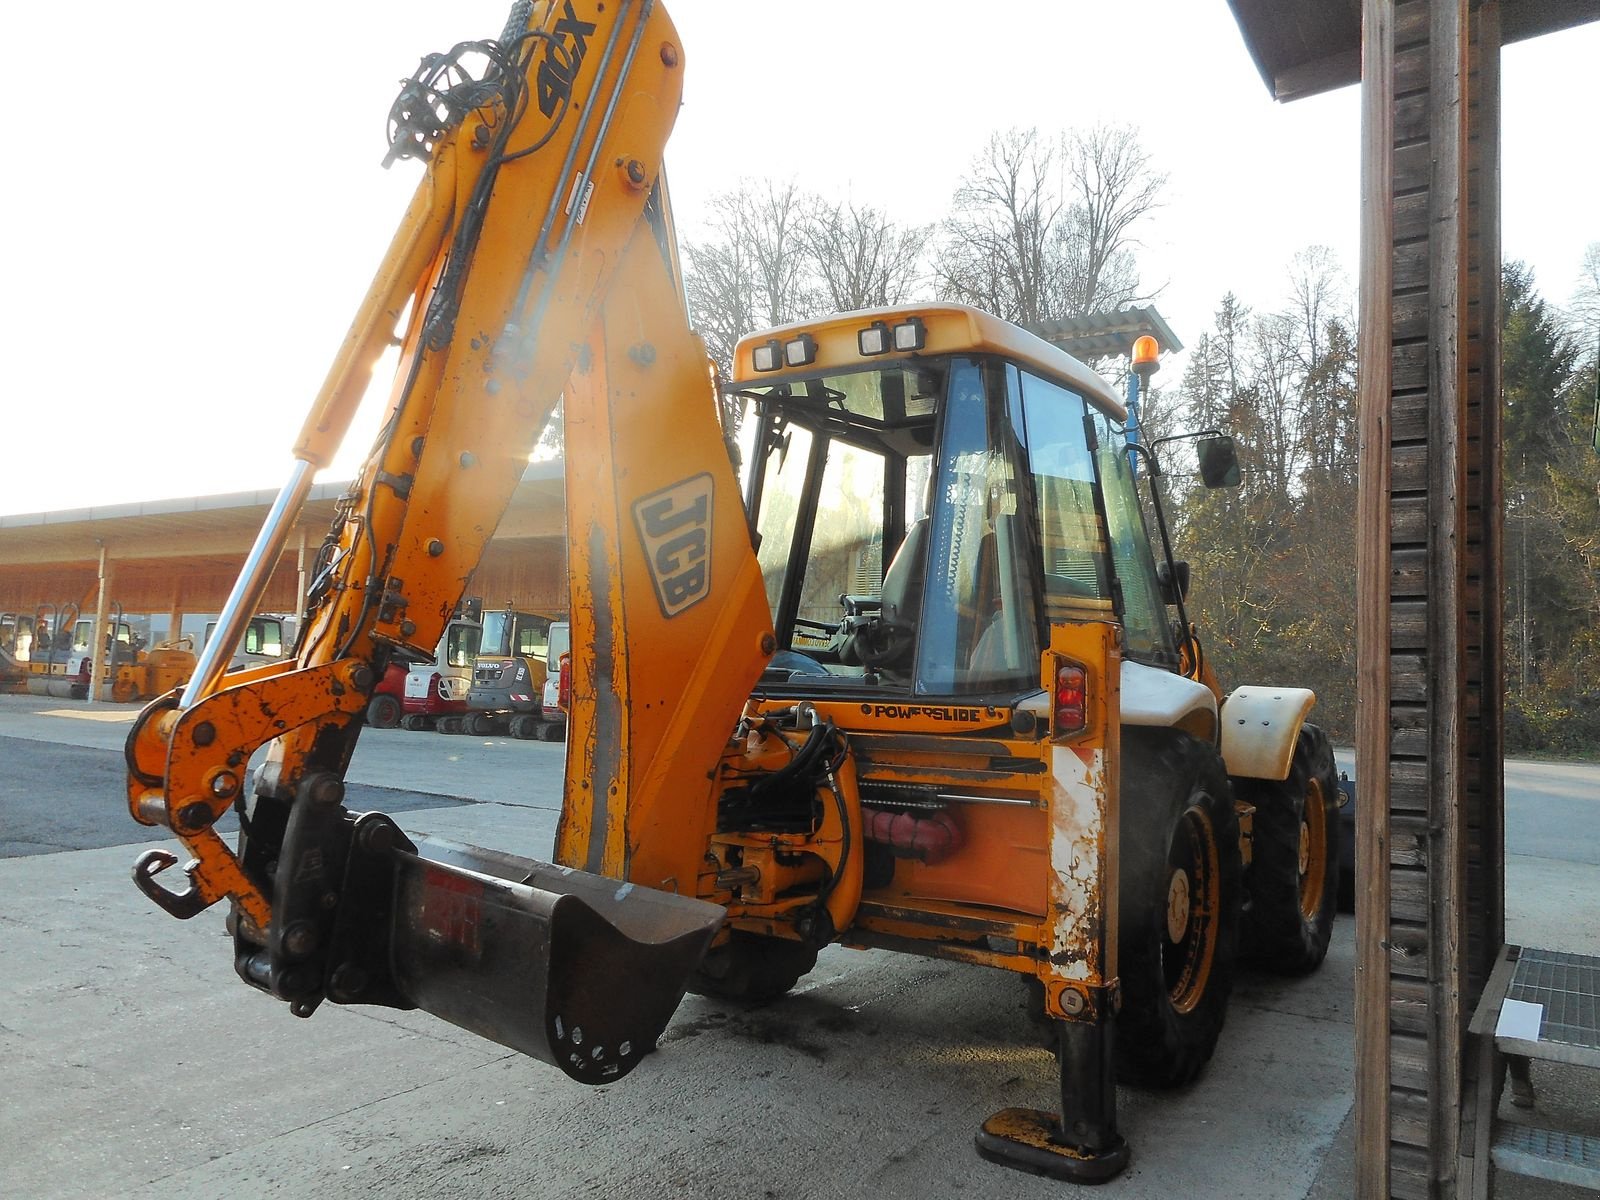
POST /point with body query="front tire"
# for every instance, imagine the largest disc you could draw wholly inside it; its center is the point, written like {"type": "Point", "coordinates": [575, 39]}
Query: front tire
{"type": "Point", "coordinates": [1179, 906]}
{"type": "Point", "coordinates": [1293, 884]}
{"type": "Point", "coordinates": [383, 711]}
{"type": "Point", "coordinates": [751, 969]}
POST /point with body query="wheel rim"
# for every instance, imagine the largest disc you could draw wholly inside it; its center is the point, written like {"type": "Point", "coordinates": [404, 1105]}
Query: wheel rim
{"type": "Point", "coordinates": [1193, 910]}
{"type": "Point", "coordinates": [1177, 905]}
{"type": "Point", "coordinates": [1313, 849]}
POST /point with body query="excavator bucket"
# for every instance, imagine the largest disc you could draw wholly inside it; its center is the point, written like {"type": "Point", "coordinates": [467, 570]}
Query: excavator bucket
{"type": "Point", "coordinates": [575, 969]}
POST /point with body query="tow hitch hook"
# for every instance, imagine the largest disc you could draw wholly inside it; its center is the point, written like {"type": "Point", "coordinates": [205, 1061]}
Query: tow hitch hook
{"type": "Point", "coordinates": [182, 905]}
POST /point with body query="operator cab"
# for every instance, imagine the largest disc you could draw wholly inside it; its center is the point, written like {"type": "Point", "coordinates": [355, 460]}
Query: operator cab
{"type": "Point", "coordinates": [931, 488]}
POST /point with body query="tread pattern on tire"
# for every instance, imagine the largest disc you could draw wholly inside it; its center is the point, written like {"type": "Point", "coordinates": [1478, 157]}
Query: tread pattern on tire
{"type": "Point", "coordinates": [751, 969]}
{"type": "Point", "coordinates": [1164, 774]}
{"type": "Point", "coordinates": [383, 711]}
{"type": "Point", "coordinates": [1275, 934]}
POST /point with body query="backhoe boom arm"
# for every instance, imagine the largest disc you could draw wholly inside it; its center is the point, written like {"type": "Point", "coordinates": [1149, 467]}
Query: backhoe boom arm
{"type": "Point", "coordinates": [534, 261]}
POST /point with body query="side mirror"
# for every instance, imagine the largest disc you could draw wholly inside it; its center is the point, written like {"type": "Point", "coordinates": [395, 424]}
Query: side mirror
{"type": "Point", "coordinates": [1174, 582]}
{"type": "Point", "coordinates": [1219, 464]}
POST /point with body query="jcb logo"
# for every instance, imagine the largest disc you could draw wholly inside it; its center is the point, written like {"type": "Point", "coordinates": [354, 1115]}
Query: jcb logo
{"type": "Point", "coordinates": [563, 59]}
{"type": "Point", "coordinates": [675, 526]}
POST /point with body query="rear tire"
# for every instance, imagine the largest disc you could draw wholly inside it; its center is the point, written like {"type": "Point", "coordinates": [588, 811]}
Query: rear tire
{"type": "Point", "coordinates": [383, 711]}
{"type": "Point", "coordinates": [751, 969]}
{"type": "Point", "coordinates": [1292, 887]}
{"type": "Point", "coordinates": [479, 724]}
{"type": "Point", "coordinates": [552, 731]}
{"type": "Point", "coordinates": [1179, 906]}
{"type": "Point", "coordinates": [523, 727]}
{"type": "Point", "coordinates": [415, 723]}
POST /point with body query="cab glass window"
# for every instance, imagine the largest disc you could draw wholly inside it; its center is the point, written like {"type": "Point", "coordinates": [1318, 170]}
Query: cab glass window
{"type": "Point", "coordinates": [533, 637]}
{"type": "Point", "coordinates": [461, 643]}
{"type": "Point", "coordinates": [265, 637]}
{"type": "Point", "coordinates": [979, 627]}
{"type": "Point", "coordinates": [1146, 632]}
{"type": "Point", "coordinates": [496, 633]}
{"type": "Point", "coordinates": [846, 557]}
{"type": "Point", "coordinates": [1074, 555]}
{"type": "Point", "coordinates": [780, 508]}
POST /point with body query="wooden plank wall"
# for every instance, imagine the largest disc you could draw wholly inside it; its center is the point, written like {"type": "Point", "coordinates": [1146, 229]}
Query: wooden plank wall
{"type": "Point", "coordinates": [1428, 731]}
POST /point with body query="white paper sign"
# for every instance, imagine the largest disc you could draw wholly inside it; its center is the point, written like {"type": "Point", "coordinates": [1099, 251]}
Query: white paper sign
{"type": "Point", "coordinates": [1519, 1019]}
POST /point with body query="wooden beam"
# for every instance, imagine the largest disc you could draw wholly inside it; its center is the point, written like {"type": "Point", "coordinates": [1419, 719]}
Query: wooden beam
{"type": "Point", "coordinates": [1486, 886]}
{"type": "Point", "coordinates": [1446, 378]}
{"type": "Point", "coordinates": [1372, 990]}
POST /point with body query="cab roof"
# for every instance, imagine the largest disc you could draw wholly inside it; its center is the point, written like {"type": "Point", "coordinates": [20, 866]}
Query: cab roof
{"type": "Point", "coordinates": [950, 329]}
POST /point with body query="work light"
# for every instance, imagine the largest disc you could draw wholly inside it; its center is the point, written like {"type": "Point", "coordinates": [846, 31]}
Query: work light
{"type": "Point", "coordinates": [910, 334]}
{"type": "Point", "coordinates": [874, 339]}
{"type": "Point", "coordinates": [768, 356]}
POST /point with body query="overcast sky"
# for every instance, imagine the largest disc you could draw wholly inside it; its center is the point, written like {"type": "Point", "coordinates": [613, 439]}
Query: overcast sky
{"type": "Point", "coordinates": [195, 204]}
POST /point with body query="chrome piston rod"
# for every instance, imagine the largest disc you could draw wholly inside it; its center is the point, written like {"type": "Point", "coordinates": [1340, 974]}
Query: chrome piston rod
{"type": "Point", "coordinates": [250, 586]}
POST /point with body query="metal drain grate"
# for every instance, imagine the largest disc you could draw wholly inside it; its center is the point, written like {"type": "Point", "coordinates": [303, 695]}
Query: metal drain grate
{"type": "Point", "coordinates": [1547, 1154]}
{"type": "Point", "coordinates": [1568, 986]}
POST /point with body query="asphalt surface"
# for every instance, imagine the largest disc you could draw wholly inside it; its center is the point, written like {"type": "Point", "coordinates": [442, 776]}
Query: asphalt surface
{"type": "Point", "coordinates": [55, 801]}
{"type": "Point", "coordinates": [137, 1065]}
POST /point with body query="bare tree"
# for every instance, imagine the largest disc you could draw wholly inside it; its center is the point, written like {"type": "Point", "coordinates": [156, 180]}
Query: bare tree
{"type": "Point", "coordinates": [750, 272]}
{"type": "Point", "coordinates": [861, 258]}
{"type": "Point", "coordinates": [1585, 305]}
{"type": "Point", "coordinates": [719, 282]}
{"type": "Point", "coordinates": [1113, 186]}
{"type": "Point", "coordinates": [1043, 228]}
{"type": "Point", "coordinates": [1325, 327]}
{"type": "Point", "coordinates": [999, 240]}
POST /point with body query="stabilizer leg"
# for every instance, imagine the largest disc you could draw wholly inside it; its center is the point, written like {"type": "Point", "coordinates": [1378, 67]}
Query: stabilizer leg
{"type": "Point", "coordinates": [1082, 1144]}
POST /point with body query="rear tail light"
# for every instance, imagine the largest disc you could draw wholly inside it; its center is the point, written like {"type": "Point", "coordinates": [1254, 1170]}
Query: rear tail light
{"type": "Point", "coordinates": [1072, 698]}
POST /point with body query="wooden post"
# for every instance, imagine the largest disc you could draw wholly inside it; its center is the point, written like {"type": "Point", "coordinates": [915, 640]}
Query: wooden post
{"type": "Point", "coordinates": [1428, 731]}
{"type": "Point", "coordinates": [1485, 509]}
{"type": "Point", "coordinates": [98, 648]}
{"type": "Point", "coordinates": [1443, 840]}
{"type": "Point", "coordinates": [1483, 746]}
{"type": "Point", "coordinates": [1372, 990]}
{"type": "Point", "coordinates": [300, 579]}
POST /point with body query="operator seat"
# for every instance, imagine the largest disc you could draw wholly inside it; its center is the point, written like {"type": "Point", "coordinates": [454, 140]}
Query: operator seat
{"type": "Point", "coordinates": [902, 582]}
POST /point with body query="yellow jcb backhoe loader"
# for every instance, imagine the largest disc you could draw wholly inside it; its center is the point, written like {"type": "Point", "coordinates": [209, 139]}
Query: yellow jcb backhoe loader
{"type": "Point", "coordinates": [918, 689]}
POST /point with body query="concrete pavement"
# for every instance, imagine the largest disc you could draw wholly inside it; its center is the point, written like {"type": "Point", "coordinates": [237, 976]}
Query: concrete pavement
{"type": "Point", "coordinates": [138, 1065]}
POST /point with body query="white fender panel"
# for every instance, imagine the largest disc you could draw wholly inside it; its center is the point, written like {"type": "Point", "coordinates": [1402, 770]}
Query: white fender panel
{"type": "Point", "coordinates": [1160, 699]}
{"type": "Point", "coordinates": [1260, 726]}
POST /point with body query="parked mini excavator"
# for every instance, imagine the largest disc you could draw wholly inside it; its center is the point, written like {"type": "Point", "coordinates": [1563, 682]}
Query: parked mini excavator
{"type": "Point", "coordinates": [919, 689]}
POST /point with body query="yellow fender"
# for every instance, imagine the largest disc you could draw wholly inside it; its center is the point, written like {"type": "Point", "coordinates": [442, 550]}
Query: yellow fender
{"type": "Point", "coordinates": [1260, 726]}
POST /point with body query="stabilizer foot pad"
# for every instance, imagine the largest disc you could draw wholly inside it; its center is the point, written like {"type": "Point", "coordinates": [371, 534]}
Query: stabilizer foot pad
{"type": "Point", "coordinates": [1024, 1139]}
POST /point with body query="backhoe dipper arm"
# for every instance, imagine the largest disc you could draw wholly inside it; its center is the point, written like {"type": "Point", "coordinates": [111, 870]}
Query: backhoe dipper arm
{"type": "Point", "coordinates": [541, 191]}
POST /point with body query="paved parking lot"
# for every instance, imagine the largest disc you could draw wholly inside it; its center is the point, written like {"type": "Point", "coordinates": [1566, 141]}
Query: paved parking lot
{"type": "Point", "coordinates": [137, 1065]}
